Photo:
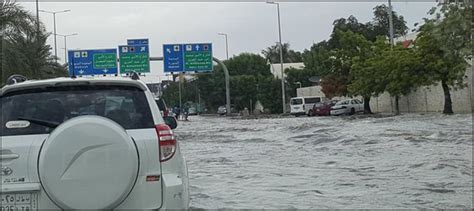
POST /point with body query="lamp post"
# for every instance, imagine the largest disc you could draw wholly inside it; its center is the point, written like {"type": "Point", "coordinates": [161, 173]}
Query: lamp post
{"type": "Point", "coordinates": [299, 83]}
{"type": "Point", "coordinates": [226, 45]}
{"type": "Point", "coordinates": [65, 44]}
{"type": "Point", "coordinates": [54, 25]}
{"type": "Point", "coordinates": [281, 58]}
{"type": "Point", "coordinates": [390, 22]}
{"type": "Point", "coordinates": [37, 17]}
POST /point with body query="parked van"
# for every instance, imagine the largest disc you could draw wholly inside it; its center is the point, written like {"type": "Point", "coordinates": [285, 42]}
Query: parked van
{"type": "Point", "coordinates": [302, 105]}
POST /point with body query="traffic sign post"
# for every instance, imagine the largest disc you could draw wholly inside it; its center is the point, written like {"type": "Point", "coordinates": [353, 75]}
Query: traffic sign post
{"type": "Point", "coordinates": [134, 58]}
{"type": "Point", "coordinates": [195, 57]}
{"type": "Point", "coordinates": [92, 62]}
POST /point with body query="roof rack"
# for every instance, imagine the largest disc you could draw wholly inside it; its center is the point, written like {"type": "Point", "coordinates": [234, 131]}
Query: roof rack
{"type": "Point", "coordinates": [17, 78]}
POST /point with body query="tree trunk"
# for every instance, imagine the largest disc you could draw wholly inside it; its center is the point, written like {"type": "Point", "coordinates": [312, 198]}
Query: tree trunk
{"type": "Point", "coordinates": [397, 105]}
{"type": "Point", "coordinates": [367, 109]}
{"type": "Point", "coordinates": [448, 105]}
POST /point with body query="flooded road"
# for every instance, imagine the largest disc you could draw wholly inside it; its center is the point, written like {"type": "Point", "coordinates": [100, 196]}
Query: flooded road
{"type": "Point", "coordinates": [409, 161]}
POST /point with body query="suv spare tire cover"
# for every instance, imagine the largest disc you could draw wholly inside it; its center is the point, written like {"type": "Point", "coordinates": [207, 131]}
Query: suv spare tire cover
{"type": "Point", "coordinates": [88, 162]}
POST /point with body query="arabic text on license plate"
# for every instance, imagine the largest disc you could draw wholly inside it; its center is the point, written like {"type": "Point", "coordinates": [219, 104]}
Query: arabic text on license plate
{"type": "Point", "coordinates": [18, 201]}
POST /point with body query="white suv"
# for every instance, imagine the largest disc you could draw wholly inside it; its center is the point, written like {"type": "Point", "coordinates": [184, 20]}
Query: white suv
{"type": "Point", "coordinates": [88, 144]}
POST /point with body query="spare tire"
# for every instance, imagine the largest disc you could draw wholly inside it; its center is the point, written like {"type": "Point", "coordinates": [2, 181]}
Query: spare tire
{"type": "Point", "coordinates": [88, 162]}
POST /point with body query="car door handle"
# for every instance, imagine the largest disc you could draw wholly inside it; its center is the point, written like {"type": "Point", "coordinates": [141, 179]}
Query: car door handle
{"type": "Point", "coordinates": [9, 156]}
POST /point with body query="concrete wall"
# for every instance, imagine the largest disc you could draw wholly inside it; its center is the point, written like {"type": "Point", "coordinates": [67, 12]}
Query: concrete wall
{"type": "Point", "coordinates": [309, 91]}
{"type": "Point", "coordinates": [429, 99]}
{"type": "Point", "coordinates": [425, 99]}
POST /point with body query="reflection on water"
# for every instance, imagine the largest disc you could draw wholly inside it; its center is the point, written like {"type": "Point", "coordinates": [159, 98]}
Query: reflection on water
{"type": "Point", "coordinates": [409, 161]}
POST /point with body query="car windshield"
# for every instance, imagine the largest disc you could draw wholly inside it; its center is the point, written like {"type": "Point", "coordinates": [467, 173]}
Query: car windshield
{"type": "Point", "coordinates": [312, 100]}
{"type": "Point", "coordinates": [125, 105]}
{"type": "Point", "coordinates": [345, 102]}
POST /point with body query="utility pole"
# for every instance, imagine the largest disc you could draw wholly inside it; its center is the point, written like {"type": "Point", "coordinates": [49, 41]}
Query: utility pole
{"type": "Point", "coordinates": [281, 59]}
{"type": "Point", "coordinates": [65, 44]}
{"type": "Point", "coordinates": [392, 43]}
{"type": "Point", "coordinates": [226, 45]}
{"type": "Point", "coordinates": [54, 25]}
{"type": "Point", "coordinates": [37, 17]}
{"type": "Point", "coordinates": [390, 22]}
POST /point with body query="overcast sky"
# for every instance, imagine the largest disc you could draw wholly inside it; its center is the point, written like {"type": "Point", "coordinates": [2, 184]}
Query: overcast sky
{"type": "Point", "coordinates": [251, 26]}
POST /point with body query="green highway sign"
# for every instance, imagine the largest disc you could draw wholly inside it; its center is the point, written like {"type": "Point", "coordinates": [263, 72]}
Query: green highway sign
{"type": "Point", "coordinates": [104, 60]}
{"type": "Point", "coordinates": [197, 60]}
{"type": "Point", "coordinates": [134, 58]}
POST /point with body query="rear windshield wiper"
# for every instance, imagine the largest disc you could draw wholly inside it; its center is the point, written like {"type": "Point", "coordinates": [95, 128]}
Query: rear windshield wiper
{"type": "Point", "coordinates": [45, 123]}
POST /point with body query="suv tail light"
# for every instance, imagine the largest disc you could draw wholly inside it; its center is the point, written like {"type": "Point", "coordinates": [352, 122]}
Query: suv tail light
{"type": "Point", "coordinates": [166, 142]}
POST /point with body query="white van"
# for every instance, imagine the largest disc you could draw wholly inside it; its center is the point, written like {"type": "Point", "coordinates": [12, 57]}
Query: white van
{"type": "Point", "coordinates": [302, 105]}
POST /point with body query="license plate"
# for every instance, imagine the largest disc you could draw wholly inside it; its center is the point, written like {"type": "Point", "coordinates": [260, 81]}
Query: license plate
{"type": "Point", "coordinates": [18, 201]}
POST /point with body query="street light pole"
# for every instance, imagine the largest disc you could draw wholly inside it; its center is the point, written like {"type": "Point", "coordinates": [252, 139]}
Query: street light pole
{"type": "Point", "coordinates": [299, 83]}
{"type": "Point", "coordinates": [37, 18]}
{"type": "Point", "coordinates": [390, 22]}
{"type": "Point", "coordinates": [281, 59]}
{"type": "Point", "coordinates": [65, 44]}
{"type": "Point", "coordinates": [226, 45]}
{"type": "Point", "coordinates": [54, 25]}
{"type": "Point", "coordinates": [55, 43]}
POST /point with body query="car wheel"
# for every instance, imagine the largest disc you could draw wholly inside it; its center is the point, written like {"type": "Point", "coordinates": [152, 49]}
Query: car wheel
{"type": "Point", "coordinates": [353, 111]}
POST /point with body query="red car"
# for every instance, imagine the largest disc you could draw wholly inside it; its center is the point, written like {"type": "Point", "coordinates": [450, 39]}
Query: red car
{"type": "Point", "coordinates": [322, 109]}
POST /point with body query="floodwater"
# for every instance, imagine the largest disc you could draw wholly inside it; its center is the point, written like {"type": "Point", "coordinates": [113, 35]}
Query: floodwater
{"type": "Point", "coordinates": [408, 161]}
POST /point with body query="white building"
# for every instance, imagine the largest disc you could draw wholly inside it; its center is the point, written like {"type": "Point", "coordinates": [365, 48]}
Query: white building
{"type": "Point", "coordinates": [276, 68]}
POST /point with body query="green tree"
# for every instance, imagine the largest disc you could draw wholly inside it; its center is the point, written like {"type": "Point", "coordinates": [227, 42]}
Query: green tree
{"type": "Point", "coordinates": [351, 45]}
{"type": "Point", "coordinates": [445, 43]}
{"type": "Point", "coordinates": [24, 49]}
{"type": "Point", "coordinates": [368, 73]}
{"type": "Point", "coordinates": [380, 23]}
{"type": "Point", "coordinates": [349, 24]}
{"type": "Point", "coordinates": [272, 54]}
{"type": "Point", "coordinates": [317, 59]}
{"type": "Point", "coordinates": [404, 72]}
{"type": "Point", "coordinates": [247, 64]}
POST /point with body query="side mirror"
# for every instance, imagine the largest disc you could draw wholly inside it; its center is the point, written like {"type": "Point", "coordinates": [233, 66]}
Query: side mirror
{"type": "Point", "coordinates": [171, 122]}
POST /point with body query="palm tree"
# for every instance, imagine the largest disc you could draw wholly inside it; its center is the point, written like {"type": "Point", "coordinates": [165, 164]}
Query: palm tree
{"type": "Point", "coordinates": [272, 54]}
{"type": "Point", "coordinates": [24, 48]}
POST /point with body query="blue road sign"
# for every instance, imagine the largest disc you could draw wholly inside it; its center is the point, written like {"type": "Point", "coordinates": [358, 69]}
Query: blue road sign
{"type": "Point", "coordinates": [187, 57]}
{"type": "Point", "coordinates": [173, 56]}
{"type": "Point", "coordinates": [137, 42]}
{"type": "Point", "coordinates": [92, 62]}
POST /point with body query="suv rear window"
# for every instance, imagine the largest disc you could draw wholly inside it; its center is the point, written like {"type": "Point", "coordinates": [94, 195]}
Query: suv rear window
{"type": "Point", "coordinates": [312, 100]}
{"type": "Point", "coordinates": [296, 101]}
{"type": "Point", "coordinates": [127, 106]}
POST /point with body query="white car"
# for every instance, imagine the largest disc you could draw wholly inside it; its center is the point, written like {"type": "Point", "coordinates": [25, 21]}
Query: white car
{"type": "Point", "coordinates": [351, 106]}
{"type": "Point", "coordinates": [88, 144]}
